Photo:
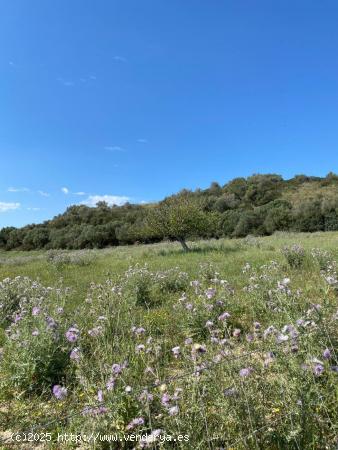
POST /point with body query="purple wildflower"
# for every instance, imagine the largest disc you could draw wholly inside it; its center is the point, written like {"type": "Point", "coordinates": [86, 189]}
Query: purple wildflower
{"type": "Point", "coordinates": [210, 293]}
{"type": "Point", "coordinates": [36, 311]}
{"type": "Point", "coordinates": [327, 353]}
{"type": "Point", "coordinates": [165, 399]}
{"type": "Point", "coordinates": [173, 411]}
{"type": "Point", "coordinates": [135, 423]}
{"type": "Point", "coordinates": [318, 370]}
{"type": "Point", "coordinates": [245, 372]}
{"type": "Point", "coordinates": [72, 334]}
{"type": "Point", "coordinates": [75, 354]}
{"type": "Point", "coordinates": [116, 369]}
{"type": "Point", "coordinates": [100, 395]}
{"type": "Point", "coordinates": [224, 316]}
{"type": "Point", "coordinates": [59, 392]}
{"type": "Point", "coordinates": [236, 332]}
{"type": "Point", "coordinates": [110, 384]}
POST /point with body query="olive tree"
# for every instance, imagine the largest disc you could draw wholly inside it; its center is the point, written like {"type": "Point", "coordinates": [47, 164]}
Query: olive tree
{"type": "Point", "coordinates": [177, 218]}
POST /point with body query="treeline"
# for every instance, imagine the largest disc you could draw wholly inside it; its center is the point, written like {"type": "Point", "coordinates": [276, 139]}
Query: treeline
{"type": "Point", "coordinates": [258, 205]}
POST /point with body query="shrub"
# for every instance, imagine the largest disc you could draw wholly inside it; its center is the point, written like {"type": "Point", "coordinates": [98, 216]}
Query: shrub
{"type": "Point", "coordinates": [295, 255]}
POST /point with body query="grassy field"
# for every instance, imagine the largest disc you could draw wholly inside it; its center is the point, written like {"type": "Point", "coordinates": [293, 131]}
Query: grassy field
{"type": "Point", "coordinates": [232, 345]}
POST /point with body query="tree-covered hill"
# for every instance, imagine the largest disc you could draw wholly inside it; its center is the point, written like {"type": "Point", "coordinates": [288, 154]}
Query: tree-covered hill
{"type": "Point", "coordinates": [259, 205]}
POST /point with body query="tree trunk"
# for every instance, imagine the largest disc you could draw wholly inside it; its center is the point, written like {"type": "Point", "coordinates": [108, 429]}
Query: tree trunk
{"type": "Point", "coordinates": [184, 244]}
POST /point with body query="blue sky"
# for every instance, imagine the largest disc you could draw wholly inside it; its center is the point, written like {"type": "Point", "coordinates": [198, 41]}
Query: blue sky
{"type": "Point", "coordinates": [138, 99]}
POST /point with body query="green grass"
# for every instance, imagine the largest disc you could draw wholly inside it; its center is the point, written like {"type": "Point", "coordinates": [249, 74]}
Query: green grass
{"type": "Point", "coordinates": [293, 408]}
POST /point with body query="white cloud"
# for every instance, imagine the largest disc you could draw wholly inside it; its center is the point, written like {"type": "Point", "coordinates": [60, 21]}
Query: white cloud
{"type": "Point", "coordinates": [79, 193]}
{"type": "Point", "coordinates": [114, 148]}
{"type": "Point", "coordinates": [142, 141]}
{"type": "Point", "coordinates": [8, 206]}
{"type": "Point", "coordinates": [66, 83]}
{"type": "Point", "coordinates": [120, 59]}
{"type": "Point", "coordinates": [44, 194]}
{"type": "Point", "coordinates": [110, 199]}
{"type": "Point", "coordinates": [65, 190]}
{"type": "Point", "coordinates": [30, 208]}
{"type": "Point", "coordinates": [13, 189]}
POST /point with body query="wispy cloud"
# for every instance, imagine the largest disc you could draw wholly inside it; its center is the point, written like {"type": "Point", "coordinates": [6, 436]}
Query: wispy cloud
{"type": "Point", "coordinates": [44, 194]}
{"type": "Point", "coordinates": [142, 141]}
{"type": "Point", "coordinates": [4, 206]}
{"type": "Point", "coordinates": [92, 200]}
{"type": "Point", "coordinates": [80, 193]}
{"type": "Point", "coordinates": [120, 59]}
{"type": "Point", "coordinates": [65, 190]}
{"type": "Point", "coordinates": [114, 148]}
{"type": "Point", "coordinates": [67, 83]}
{"type": "Point", "coordinates": [33, 208]}
{"type": "Point", "coordinates": [13, 189]}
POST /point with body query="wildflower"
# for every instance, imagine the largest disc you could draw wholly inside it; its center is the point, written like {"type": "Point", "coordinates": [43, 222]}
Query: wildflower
{"type": "Point", "coordinates": [176, 351]}
{"type": "Point", "coordinates": [72, 334]}
{"type": "Point", "coordinates": [116, 369]}
{"type": "Point", "coordinates": [97, 331]}
{"type": "Point", "coordinates": [59, 392]}
{"type": "Point", "coordinates": [90, 411]}
{"type": "Point", "coordinates": [230, 392]}
{"type": "Point", "coordinates": [281, 338]}
{"type": "Point", "coordinates": [36, 311]}
{"type": "Point", "coordinates": [188, 341]}
{"type": "Point", "coordinates": [100, 395]}
{"type": "Point", "coordinates": [245, 372]}
{"type": "Point", "coordinates": [35, 333]}
{"type": "Point", "coordinates": [75, 354]}
{"type": "Point", "coordinates": [224, 316]}
{"type": "Point", "coordinates": [173, 411]}
{"type": "Point", "coordinates": [236, 332]}
{"type": "Point", "coordinates": [210, 292]}
{"type": "Point", "coordinates": [151, 438]}
{"type": "Point", "coordinates": [257, 325]}
{"type": "Point", "coordinates": [50, 322]}
{"type": "Point", "coordinates": [327, 353]}
{"type": "Point", "coordinates": [249, 337]}
{"type": "Point", "coordinates": [189, 306]}
{"type": "Point", "coordinates": [146, 396]}
{"type": "Point", "coordinates": [165, 399]}
{"type": "Point", "coordinates": [128, 389]}
{"type": "Point", "coordinates": [110, 384]}
{"type": "Point", "coordinates": [209, 324]}
{"type": "Point", "coordinates": [318, 370]}
{"type": "Point", "coordinates": [334, 368]}
{"type": "Point", "coordinates": [59, 310]}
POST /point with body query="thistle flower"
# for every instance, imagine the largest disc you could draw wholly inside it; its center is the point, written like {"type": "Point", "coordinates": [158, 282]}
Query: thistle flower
{"type": "Point", "coordinates": [165, 399]}
{"type": "Point", "coordinates": [224, 316]}
{"type": "Point", "coordinates": [173, 411]}
{"type": "Point", "coordinates": [327, 353]}
{"type": "Point", "coordinates": [110, 384]}
{"type": "Point", "coordinates": [318, 370]}
{"type": "Point", "coordinates": [245, 372]}
{"type": "Point", "coordinates": [209, 324]}
{"type": "Point", "coordinates": [100, 395]}
{"type": "Point", "coordinates": [116, 369]}
{"type": "Point", "coordinates": [72, 334]}
{"type": "Point", "coordinates": [139, 348]}
{"type": "Point", "coordinates": [236, 332]}
{"type": "Point", "coordinates": [59, 392]}
{"type": "Point", "coordinates": [36, 311]}
{"type": "Point", "coordinates": [176, 351]}
{"type": "Point", "coordinates": [282, 338]}
{"type": "Point", "coordinates": [146, 397]}
{"type": "Point", "coordinates": [188, 341]}
{"type": "Point", "coordinates": [135, 423]}
{"type": "Point", "coordinates": [210, 293]}
{"type": "Point", "coordinates": [75, 354]}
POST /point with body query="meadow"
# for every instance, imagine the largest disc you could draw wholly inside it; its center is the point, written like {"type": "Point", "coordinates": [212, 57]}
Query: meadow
{"type": "Point", "coordinates": [232, 345]}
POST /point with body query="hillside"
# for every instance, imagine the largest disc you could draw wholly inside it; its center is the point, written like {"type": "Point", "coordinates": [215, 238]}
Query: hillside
{"type": "Point", "coordinates": [258, 205]}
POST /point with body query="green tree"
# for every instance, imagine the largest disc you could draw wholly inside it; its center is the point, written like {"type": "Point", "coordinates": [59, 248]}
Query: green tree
{"type": "Point", "coordinates": [178, 218]}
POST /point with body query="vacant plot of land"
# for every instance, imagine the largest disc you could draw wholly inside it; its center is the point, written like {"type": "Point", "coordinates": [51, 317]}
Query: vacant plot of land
{"type": "Point", "coordinates": [231, 345]}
